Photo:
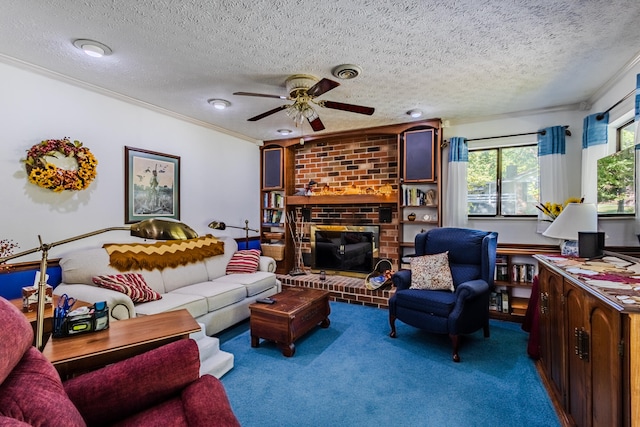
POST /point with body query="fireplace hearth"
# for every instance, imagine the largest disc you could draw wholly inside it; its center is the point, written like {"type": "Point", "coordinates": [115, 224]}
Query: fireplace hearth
{"type": "Point", "coordinates": [344, 248]}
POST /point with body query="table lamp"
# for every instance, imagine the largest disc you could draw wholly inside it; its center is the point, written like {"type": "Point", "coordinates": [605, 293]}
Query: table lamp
{"type": "Point", "coordinates": [154, 228]}
{"type": "Point", "coordinates": [218, 225]}
{"type": "Point", "coordinates": [575, 217]}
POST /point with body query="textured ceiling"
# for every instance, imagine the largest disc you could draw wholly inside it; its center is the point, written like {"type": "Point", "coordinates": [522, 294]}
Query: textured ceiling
{"type": "Point", "coordinates": [455, 60]}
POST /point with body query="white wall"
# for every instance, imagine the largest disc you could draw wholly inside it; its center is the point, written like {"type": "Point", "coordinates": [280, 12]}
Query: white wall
{"type": "Point", "coordinates": [620, 232]}
{"type": "Point", "coordinates": [219, 173]}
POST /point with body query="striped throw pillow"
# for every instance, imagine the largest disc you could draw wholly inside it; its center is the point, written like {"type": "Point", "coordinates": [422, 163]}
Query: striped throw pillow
{"type": "Point", "coordinates": [245, 261]}
{"type": "Point", "coordinates": [131, 284]}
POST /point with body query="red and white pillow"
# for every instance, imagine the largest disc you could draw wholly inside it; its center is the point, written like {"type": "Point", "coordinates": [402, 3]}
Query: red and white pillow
{"type": "Point", "coordinates": [245, 261]}
{"type": "Point", "coordinates": [131, 284]}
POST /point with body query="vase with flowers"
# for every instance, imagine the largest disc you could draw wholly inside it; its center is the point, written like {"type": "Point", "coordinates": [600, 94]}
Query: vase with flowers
{"type": "Point", "coordinates": [552, 210]}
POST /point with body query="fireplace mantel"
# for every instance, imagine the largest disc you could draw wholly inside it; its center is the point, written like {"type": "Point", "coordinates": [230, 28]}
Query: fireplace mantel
{"type": "Point", "coordinates": [348, 199]}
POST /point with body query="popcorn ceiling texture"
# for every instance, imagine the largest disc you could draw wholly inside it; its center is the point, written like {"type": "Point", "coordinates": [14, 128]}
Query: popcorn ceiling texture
{"type": "Point", "coordinates": [452, 59]}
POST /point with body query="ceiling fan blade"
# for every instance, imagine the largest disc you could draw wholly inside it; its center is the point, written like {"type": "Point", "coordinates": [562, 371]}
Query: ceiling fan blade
{"type": "Point", "coordinates": [260, 95]}
{"type": "Point", "coordinates": [316, 124]}
{"type": "Point", "coordinates": [348, 107]}
{"type": "Point", "coordinates": [324, 85]}
{"type": "Point", "coordinates": [268, 113]}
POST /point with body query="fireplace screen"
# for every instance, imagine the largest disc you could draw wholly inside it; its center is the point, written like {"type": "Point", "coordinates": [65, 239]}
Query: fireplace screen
{"type": "Point", "coordinates": [344, 248]}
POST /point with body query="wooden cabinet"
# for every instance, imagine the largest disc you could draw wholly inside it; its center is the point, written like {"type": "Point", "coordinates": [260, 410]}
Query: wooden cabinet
{"type": "Point", "coordinates": [585, 340]}
{"type": "Point", "coordinates": [419, 195]}
{"type": "Point", "coordinates": [272, 204]}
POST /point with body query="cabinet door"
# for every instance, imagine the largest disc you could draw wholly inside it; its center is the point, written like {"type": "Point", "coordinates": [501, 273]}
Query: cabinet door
{"type": "Point", "coordinates": [578, 382]}
{"type": "Point", "coordinates": [272, 165]}
{"type": "Point", "coordinates": [419, 156]}
{"type": "Point", "coordinates": [552, 331]}
{"type": "Point", "coordinates": [606, 364]}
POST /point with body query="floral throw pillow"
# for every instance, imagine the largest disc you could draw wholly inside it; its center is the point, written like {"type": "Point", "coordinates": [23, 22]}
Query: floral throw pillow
{"type": "Point", "coordinates": [245, 261]}
{"type": "Point", "coordinates": [131, 284]}
{"type": "Point", "coordinates": [431, 272]}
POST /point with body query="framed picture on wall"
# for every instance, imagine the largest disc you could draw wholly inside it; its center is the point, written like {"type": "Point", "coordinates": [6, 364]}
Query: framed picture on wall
{"type": "Point", "coordinates": [151, 185]}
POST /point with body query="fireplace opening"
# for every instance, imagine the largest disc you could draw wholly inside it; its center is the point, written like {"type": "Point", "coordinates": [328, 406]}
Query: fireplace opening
{"type": "Point", "coordinates": [344, 248]}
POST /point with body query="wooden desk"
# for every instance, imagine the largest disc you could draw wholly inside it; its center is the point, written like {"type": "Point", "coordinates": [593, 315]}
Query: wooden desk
{"type": "Point", "coordinates": [48, 316]}
{"type": "Point", "coordinates": [124, 338]}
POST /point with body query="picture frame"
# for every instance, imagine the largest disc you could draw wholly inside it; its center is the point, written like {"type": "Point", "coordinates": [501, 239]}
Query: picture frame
{"type": "Point", "coordinates": [151, 185]}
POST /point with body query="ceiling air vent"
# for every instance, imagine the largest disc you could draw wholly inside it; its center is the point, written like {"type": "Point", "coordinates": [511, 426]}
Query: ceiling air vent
{"type": "Point", "coordinates": [347, 71]}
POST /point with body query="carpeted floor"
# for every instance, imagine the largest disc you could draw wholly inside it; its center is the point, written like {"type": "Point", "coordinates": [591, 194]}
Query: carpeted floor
{"type": "Point", "coordinates": [354, 374]}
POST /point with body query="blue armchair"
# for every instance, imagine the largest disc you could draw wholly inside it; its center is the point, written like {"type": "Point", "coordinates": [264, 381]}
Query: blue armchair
{"type": "Point", "coordinates": [472, 259]}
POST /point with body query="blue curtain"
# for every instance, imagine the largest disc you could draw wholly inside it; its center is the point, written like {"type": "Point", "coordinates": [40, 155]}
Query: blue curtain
{"type": "Point", "coordinates": [456, 207]}
{"type": "Point", "coordinates": [552, 158]}
{"type": "Point", "coordinates": [595, 132]}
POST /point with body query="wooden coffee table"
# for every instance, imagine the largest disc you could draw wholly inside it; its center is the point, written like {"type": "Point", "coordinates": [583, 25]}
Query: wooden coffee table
{"type": "Point", "coordinates": [296, 312]}
{"type": "Point", "coordinates": [124, 338]}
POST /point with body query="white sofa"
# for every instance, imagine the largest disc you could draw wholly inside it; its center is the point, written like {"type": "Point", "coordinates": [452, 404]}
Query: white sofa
{"type": "Point", "coordinates": [213, 298]}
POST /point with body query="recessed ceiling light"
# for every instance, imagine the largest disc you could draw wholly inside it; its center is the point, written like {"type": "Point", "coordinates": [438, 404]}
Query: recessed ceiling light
{"type": "Point", "coordinates": [284, 131]}
{"type": "Point", "coordinates": [219, 104]}
{"type": "Point", "coordinates": [347, 71]}
{"type": "Point", "coordinates": [92, 48]}
{"type": "Point", "coordinates": [415, 113]}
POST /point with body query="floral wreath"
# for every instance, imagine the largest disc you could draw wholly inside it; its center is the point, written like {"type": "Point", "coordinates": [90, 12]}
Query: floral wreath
{"type": "Point", "coordinates": [47, 175]}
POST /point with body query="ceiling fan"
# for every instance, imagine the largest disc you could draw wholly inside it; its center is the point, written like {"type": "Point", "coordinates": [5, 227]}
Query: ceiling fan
{"type": "Point", "coordinates": [303, 89]}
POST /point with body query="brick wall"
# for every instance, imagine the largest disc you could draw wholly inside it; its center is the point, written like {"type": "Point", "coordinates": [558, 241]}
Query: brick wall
{"type": "Point", "coordinates": [363, 163]}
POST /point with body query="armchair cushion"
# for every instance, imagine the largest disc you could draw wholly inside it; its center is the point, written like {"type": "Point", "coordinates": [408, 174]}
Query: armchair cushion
{"type": "Point", "coordinates": [438, 303]}
{"type": "Point", "coordinates": [431, 272]}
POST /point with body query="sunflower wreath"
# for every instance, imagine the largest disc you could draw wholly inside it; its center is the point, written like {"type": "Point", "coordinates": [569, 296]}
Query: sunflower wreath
{"type": "Point", "coordinates": [47, 175]}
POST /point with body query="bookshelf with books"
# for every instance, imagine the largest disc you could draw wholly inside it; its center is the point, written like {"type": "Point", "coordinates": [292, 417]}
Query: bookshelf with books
{"type": "Point", "coordinates": [514, 274]}
{"type": "Point", "coordinates": [272, 204]}
{"type": "Point", "coordinates": [419, 186]}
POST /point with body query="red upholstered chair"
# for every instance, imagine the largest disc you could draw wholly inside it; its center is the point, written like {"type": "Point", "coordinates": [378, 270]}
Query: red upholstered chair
{"type": "Point", "coordinates": [160, 387]}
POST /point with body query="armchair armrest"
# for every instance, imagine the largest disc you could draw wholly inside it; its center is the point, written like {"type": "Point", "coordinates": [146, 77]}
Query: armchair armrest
{"type": "Point", "coordinates": [267, 264]}
{"type": "Point", "coordinates": [401, 279]}
{"type": "Point", "coordinates": [134, 384]}
{"type": "Point", "coordinates": [471, 289]}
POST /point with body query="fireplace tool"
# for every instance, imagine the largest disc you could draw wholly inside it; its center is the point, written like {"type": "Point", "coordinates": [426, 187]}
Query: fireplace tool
{"type": "Point", "coordinates": [298, 234]}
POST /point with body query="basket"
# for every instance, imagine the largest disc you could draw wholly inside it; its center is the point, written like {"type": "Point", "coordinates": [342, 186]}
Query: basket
{"type": "Point", "coordinates": [380, 277]}
{"type": "Point", "coordinates": [272, 235]}
{"type": "Point", "coordinates": [274, 251]}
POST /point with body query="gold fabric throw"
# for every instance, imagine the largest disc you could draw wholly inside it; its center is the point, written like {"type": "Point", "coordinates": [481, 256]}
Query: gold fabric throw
{"type": "Point", "coordinates": [160, 255]}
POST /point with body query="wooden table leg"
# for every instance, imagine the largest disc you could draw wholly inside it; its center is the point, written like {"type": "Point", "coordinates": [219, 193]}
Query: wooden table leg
{"type": "Point", "coordinates": [289, 350]}
{"type": "Point", "coordinates": [255, 341]}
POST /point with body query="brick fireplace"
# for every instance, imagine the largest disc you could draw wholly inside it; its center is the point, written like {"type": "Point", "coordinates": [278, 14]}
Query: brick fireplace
{"type": "Point", "coordinates": [356, 164]}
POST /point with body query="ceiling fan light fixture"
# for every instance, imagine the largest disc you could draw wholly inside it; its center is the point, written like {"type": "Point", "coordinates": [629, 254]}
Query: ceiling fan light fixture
{"type": "Point", "coordinates": [347, 71]}
{"type": "Point", "coordinates": [93, 48]}
{"type": "Point", "coordinates": [415, 113]}
{"type": "Point", "coordinates": [219, 104]}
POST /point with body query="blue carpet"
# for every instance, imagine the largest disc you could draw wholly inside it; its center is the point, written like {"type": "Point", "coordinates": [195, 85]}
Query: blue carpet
{"type": "Point", "coordinates": [354, 374]}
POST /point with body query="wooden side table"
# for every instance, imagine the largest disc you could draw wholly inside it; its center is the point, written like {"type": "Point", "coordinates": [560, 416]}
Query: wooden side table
{"type": "Point", "coordinates": [124, 338]}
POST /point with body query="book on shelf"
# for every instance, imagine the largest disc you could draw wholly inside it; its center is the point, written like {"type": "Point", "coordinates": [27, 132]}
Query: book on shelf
{"type": "Point", "coordinates": [271, 216]}
{"type": "Point", "coordinates": [505, 302]}
{"type": "Point", "coordinates": [412, 196]}
{"type": "Point", "coordinates": [523, 273]}
{"type": "Point", "coordinates": [273, 199]}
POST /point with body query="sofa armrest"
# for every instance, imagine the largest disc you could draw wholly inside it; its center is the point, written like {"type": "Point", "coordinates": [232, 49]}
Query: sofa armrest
{"type": "Point", "coordinates": [267, 264]}
{"type": "Point", "coordinates": [120, 305]}
{"type": "Point", "coordinates": [401, 279]}
{"type": "Point", "coordinates": [134, 384]}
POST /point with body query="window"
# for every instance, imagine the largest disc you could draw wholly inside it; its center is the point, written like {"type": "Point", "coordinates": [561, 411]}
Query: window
{"type": "Point", "coordinates": [503, 181]}
{"type": "Point", "coordinates": [626, 136]}
{"type": "Point", "coordinates": [616, 176]}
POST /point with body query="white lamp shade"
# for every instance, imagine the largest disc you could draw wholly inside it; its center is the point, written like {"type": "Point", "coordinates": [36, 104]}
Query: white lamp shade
{"type": "Point", "coordinates": [574, 217]}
